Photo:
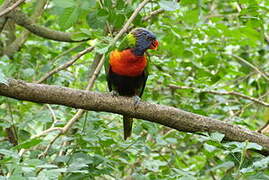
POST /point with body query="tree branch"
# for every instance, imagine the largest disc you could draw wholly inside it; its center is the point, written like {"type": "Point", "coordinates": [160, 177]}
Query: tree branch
{"type": "Point", "coordinates": [165, 115]}
{"type": "Point", "coordinates": [19, 41]}
{"type": "Point", "coordinates": [252, 66]}
{"type": "Point", "coordinates": [26, 22]}
{"type": "Point", "coordinates": [7, 10]}
{"type": "Point", "coordinates": [153, 13]}
{"type": "Point", "coordinates": [223, 93]}
{"type": "Point", "coordinates": [95, 70]}
{"type": "Point", "coordinates": [66, 65]}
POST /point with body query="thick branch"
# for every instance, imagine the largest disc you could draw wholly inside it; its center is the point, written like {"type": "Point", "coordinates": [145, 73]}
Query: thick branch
{"type": "Point", "coordinates": [26, 22]}
{"type": "Point", "coordinates": [165, 115]}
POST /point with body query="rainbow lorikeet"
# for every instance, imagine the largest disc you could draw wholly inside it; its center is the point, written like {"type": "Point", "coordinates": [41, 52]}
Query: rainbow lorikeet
{"type": "Point", "coordinates": [126, 68]}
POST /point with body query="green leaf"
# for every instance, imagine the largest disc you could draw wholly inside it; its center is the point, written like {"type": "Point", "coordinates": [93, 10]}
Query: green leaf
{"type": "Point", "coordinates": [117, 20]}
{"type": "Point", "coordinates": [227, 165]}
{"type": "Point", "coordinates": [262, 163]}
{"type": "Point", "coordinates": [23, 135]}
{"type": "Point", "coordinates": [154, 165]}
{"type": "Point", "coordinates": [86, 5]}
{"type": "Point", "coordinates": [101, 50]}
{"type": "Point", "coordinates": [28, 144]}
{"type": "Point", "coordinates": [216, 136]}
{"type": "Point", "coordinates": [169, 5]}
{"type": "Point", "coordinates": [28, 72]}
{"type": "Point", "coordinates": [9, 153]}
{"type": "Point", "coordinates": [64, 4]}
{"type": "Point", "coordinates": [69, 17]}
{"type": "Point", "coordinates": [191, 17]}
{"type": "Point", "coordinates": [95, 21]}
{"type": "Point", "coordinates": [255, 146]}
{"type": "Point", "coordinates": [80, 36]}
{"type": "Point", "coordinates": [108, 3]}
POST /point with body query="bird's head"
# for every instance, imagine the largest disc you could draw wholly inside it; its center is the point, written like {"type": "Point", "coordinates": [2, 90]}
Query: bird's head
{"type": "Point", "coordinates": [145, 39]}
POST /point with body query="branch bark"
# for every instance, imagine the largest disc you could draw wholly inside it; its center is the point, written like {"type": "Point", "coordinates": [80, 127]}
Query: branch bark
{"type": "Point", "coordinates": [23, 20]}
{"type": "Point", "coordinates": [7, 10]}
{"type": "Point", "coordinates": [165, 115]}
{"type": "Point", "coordinates": [20, 40]}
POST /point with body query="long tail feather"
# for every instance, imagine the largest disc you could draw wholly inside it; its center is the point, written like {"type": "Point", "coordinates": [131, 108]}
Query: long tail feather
{"type": "Point", "coordinates": [127, 126]}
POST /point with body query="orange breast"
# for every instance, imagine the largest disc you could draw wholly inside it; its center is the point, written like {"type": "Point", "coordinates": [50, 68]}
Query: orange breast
{"type": "Point", "coordinates": [126, 63]}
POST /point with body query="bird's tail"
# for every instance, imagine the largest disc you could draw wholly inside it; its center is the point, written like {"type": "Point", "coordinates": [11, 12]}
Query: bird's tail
{"type": "Point", "coordinates": [127, 126]}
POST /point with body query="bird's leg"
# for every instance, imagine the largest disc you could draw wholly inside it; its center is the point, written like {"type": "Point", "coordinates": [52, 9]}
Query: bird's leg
{"type": "Point", "coordinates": [114, 93]}
{"type": "Point", "coordinates": [137, 100]}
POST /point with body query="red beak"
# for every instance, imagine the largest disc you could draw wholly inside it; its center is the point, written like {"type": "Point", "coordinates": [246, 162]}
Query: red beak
{"type": "Point", "coordinates": [154, 45]}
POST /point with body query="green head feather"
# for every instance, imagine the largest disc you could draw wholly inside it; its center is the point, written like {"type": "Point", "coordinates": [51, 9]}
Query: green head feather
{"type": "Point", "coordinates": [131, 39]}
{"type": "Point", "coordinates": [128, 41]}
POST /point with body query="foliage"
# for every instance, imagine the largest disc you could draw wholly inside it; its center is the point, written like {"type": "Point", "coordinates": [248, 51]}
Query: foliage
{"type": "Point", "coordinates": [198, 41]}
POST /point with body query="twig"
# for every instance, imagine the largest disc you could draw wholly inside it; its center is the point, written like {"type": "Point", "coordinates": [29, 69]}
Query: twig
{"type": "Point", "coordinates": [249, 104]}
{"type": "Point", "coordinates": [47, 131]}
{"type": "Point", "coordinates": [11, 131]}
{"type": "Point", "coordinates": [7, 10]}
{"type": "Point", "coordinates": [90, 85]}
{"type": "Point", "coordinates": [153, 13]}
{"type": "Point", "coordinates": [95, 70]}
{"type": "Point", "coordinates": [130, 20]}
{"type": "Point", "coordinates": [80, 112]}
{"type": "Point", "coordinates": [66, 65]}
{"type": "Point", "coordinates": [223, 93]}
{"type": "Point", "coordinates": [52, 113]}
{"type": "Point", "coordinates": [251, 65]}
{"type": "Point", "coordinates": [66, 52]}
{"type": "Point", "coordinates": [43, 133]}
{"type": "Point", "coordinates": [49, 146]}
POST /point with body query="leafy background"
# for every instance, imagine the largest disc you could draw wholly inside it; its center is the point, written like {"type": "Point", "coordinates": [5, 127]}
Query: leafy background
{"type": "Point", "coordinates": [200, 42]}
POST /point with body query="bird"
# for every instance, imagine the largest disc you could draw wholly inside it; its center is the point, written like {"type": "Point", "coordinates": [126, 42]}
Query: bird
{"type": "Point", "coordinates": [127, 68]}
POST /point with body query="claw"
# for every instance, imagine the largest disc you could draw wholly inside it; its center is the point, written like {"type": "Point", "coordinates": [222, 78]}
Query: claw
{"type": "Point", "coordinates": [136, 101]}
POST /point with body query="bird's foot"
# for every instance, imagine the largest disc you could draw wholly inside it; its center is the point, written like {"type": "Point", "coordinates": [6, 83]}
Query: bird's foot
{"type": "Point", "coordinates": [114, 93]}
{"type": "Point", "coordinates": [137, 100]}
